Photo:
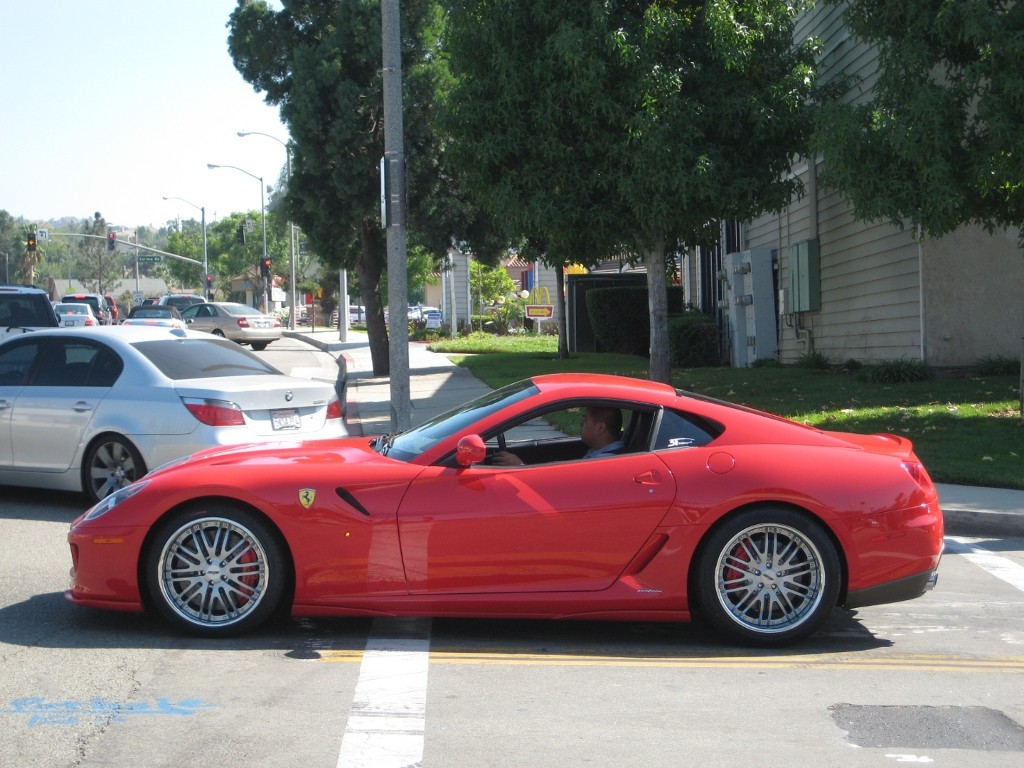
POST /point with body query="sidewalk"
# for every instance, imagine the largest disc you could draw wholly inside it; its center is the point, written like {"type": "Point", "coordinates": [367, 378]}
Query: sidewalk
{"type": "Point", "coordinates": [437, 385]}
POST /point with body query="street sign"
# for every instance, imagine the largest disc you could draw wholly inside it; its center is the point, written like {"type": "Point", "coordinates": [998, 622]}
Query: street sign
{"type": "Point", "coordinates": [147, 258]}
{"type": "Point", "coordinates": [540, 311]}
{"type": "Point", "coordinates": [43, 235]}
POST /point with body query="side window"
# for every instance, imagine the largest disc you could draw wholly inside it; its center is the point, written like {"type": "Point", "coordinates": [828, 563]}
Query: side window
{"type": "Point", "coordinates": [77, 364]}
{"type": "Point", "coordinates": [105, 369]}
{"type": "Point", "coordinates": [684, 430]}
{"type": "Point", "coordinates": [16, 361]}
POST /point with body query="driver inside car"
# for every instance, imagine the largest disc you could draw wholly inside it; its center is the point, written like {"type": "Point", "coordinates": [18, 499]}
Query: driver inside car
{"type": "Point", "coordinates": [600, 430]}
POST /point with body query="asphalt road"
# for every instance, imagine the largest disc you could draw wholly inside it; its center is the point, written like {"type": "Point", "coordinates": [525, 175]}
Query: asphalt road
{"type": "Point", "coordinates": [935, 680]}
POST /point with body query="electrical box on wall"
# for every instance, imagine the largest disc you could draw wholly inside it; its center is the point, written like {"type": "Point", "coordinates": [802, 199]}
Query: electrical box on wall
{"type": "Point", "coordinates": [804, 277]}
{"type": "Point", "coordinates": [751, 309]}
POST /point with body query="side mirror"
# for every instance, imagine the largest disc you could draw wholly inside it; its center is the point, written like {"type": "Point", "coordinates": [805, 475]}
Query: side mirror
{"type": "Point", "coordinates": [471, 450]}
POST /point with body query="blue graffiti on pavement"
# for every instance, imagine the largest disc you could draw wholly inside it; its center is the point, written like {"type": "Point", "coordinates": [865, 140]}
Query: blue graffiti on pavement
{"type": "Point", "coordinates": [42, 711]}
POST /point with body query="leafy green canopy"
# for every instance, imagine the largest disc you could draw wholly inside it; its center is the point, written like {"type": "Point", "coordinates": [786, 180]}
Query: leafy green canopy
{"type": "Point", "coordinates": [607, 126]}
{"type": "Point", "coordinates": [938, 142]}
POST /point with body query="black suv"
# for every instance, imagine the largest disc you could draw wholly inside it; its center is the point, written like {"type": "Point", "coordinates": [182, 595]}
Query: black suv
{"type": "Point", "coordinates": [25, 308]}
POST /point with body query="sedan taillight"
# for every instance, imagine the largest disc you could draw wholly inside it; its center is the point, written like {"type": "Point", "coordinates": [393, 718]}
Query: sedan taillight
{"type": "Point", "coordinates": [334, 409]}
{"type": "Point", "coordinates": [215, 413]}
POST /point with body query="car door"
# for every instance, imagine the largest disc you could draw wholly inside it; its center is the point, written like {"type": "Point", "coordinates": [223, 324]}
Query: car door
{"type": "Point", "coordinates": [55, 407]}
{"type": "Point", "coordinates": [201, 317]}
{"type": "Point", "coordinates": [17, 359]}
{"type": "Point", "coordinates": [547, 527]}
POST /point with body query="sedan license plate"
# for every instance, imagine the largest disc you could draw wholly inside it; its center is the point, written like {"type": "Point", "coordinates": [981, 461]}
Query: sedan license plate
{"type": "Point", "coordinates": [285, 419]}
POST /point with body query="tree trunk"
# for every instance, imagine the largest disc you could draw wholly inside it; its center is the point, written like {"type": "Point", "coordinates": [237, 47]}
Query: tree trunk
{"type": "Point", "coordinates": [563, 324]}
{"type": "Point", "coordinates": [657, 302]}
{"type": "Point", "coordinates": [369, 269]}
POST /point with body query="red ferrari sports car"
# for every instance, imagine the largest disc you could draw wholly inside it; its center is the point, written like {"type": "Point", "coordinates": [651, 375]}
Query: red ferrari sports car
{"type": "Point", "coordinates": [756, 524]}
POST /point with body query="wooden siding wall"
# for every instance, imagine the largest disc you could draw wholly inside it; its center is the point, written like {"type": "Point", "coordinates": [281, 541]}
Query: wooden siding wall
{"type": "Point", "coordinates": [870, 276]}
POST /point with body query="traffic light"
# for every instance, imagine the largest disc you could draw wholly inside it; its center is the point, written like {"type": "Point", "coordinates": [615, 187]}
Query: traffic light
{"type": "Point", "coordinates": [265, 269]}
{"type": "Point", "coordinates": [209, 282]}
{"type": "Point", "coordinates": [30, 242]}
{"type": "Point", "coordinates": [240, 234]}
{"type": "Point", "coordinates": [111, 241]}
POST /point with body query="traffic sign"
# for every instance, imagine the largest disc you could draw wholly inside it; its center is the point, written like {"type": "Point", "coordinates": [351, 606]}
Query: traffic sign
{"type": "Point", "coordinates": [149, 258]}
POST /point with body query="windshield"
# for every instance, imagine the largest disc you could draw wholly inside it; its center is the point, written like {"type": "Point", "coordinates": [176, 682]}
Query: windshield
{"type": "Point", "coordinates": [408, 445]}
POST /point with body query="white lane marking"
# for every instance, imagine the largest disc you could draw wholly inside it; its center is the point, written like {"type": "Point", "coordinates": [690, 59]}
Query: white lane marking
{"type": "Point", "coordinates": [998, 566]}
{"type": "Point", "coordinates": [387, 722]}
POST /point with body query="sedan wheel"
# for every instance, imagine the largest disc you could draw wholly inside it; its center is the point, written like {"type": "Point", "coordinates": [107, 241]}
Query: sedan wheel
{"type": "Point", "coordinates": [111, 463]}
{"type": "Point", "coordinates": [768, 576]}
{"type": "Point", "coordinates": [216, 572]}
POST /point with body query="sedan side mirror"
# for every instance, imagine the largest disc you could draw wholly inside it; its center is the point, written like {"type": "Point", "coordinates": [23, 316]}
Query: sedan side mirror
{"type": "Point", "coordinates": [471, 450]}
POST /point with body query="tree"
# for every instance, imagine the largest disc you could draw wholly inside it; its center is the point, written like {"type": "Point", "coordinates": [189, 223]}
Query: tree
{"type": "Point", "coordinates": [938, 142]}
{"type": "Point", "coordinates": [320, 63]}
{"type": "Point", "coordinates": [607, 127]}
{"type": "Point", "coordinates": [98, 268]}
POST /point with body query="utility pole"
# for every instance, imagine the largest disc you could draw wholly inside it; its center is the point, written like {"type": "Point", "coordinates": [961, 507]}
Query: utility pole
{"type": "Point", "coordinates": [394, 167]}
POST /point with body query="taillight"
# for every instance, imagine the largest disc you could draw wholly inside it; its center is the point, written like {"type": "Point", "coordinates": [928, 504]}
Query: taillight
{"type": "Point", "coordinates": [334, 409]}
{"type": "Point", "coordinates": [90, 321]}
{"type": "Point", "coordinates": [919, 474]}
{"type": "Point", "coordinates": [277, 322]}
{"type": "Point", "coordinates": [215, 413]}
{"type": "Point", "coordinates": [243, 323]}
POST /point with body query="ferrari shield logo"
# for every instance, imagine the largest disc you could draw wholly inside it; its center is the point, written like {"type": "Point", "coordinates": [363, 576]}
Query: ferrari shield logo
{"type": "Point", "coordinates": [306, 497]}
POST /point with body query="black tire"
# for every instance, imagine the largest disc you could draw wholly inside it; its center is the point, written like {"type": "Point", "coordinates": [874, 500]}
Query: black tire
{"type": "Point", "coordinates": [259, 346]}
{"type": "Point", "coordinates": [216, 571]}
{"type": "Point", "coordinates": [111, 462]}
{"type": "Point", "coordinates": [768, 576]}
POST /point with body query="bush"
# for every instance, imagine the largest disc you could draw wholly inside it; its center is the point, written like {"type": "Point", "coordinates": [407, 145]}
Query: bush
{"type": "Point", "coordinates": [693, 341]}
{"type": "Point", "coordinates": [816, 361]}
{"type": "Point", "coordinates": [997, 365]}
{"type": "Point", "coordinates": [902, 371]}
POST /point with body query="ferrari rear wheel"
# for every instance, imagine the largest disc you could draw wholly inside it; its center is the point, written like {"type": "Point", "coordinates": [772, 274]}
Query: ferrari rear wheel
{"type": "Point", "coordinates": [216, 572]}
{"type": "Point", "coordinates": [768, 576]}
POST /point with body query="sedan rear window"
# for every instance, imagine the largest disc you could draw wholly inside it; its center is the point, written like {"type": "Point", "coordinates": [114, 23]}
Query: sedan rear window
{"type": "Point", "coordinates": [202, 359]}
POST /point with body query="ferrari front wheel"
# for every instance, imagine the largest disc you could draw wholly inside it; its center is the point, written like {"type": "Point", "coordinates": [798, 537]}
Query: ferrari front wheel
{"type": "Point", "coordinates": [216, 571]}
{"type": "Point", "coordinates": [768, 576]}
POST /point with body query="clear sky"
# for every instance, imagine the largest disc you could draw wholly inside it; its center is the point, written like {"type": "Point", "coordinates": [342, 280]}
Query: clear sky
{"type": "Point", "coordinates": [111, 105]}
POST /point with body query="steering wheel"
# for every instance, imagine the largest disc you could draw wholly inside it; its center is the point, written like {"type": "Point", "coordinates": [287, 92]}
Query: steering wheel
{"type": "Point", "coordinates": [500, 439]}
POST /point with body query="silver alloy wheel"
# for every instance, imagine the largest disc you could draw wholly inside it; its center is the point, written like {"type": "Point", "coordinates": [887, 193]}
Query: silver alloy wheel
{"type": "Point", "coordinates": [770, 578]}
{"type": "Point", "coordinates": [213, 572]}
{"type": "Point", "coordinates": [112, 464]}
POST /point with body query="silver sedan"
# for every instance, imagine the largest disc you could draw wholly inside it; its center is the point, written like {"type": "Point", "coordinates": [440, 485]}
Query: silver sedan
{"type": "Point", "coordinates": [238, 322]}
{"type": "Point", "coordinates": [94, 409]}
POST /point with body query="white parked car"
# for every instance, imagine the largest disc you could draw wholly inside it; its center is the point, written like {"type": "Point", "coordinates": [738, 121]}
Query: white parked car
{"type": "Point", "coordinates": [75, 315]}
{"type": "Point", "coordinates": [94, 409]}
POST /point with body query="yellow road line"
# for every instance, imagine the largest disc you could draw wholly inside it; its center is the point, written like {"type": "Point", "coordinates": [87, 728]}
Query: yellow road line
{"type": "Point", "coordinates": [927, 663]}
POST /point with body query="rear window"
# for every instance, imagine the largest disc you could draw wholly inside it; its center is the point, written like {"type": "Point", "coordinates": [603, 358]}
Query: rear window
{"type": "Point", "coordinates": [202, 359]}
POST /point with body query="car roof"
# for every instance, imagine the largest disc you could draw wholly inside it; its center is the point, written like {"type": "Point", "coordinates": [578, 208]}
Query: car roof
{"type": "Point", "coordinates": [603, 385]}
{"type": "Point", "coordinates": [117, 334]}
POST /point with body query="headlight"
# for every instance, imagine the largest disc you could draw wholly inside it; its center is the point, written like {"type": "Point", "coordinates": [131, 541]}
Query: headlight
{"type": "Point", "coordinates": [114, 499]}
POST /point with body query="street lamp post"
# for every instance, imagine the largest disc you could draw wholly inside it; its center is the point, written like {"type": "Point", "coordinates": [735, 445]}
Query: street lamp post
{"type": "Point", "coordinates": [206, 264]}
{"type": "Point", "coordinates": [263, 217]}
{"type": "Point", "coordinates": [291, 230]}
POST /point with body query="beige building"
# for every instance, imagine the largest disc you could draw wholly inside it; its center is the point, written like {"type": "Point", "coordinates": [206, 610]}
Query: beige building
{"type": "Point", "coordinates": [850, 290]}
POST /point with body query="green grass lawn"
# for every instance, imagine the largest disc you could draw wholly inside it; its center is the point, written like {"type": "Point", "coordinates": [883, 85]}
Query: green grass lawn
{"type": "Point", "coordinates": [966, 430]}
